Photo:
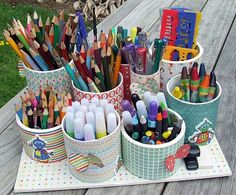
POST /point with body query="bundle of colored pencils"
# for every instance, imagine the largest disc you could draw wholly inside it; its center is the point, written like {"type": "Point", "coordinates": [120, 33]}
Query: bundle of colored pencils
{"type": "Point", "coordinates": [44, 109]}
{"type": "Point", "coordinates": [43, 47]}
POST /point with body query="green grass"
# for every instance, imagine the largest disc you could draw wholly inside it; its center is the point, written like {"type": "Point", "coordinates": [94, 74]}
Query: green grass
{"type": "Point", "coordinates": [10, 81]}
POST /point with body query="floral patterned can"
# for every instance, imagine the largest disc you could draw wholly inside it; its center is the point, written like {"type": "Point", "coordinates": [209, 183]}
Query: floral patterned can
{"type": "Point", "coordinates": [114, 96]}
{"type": "Point", "coordinates": [142, 83]}
{"type": "Point", "coordinates": [169, 69]}
{"type": "Point", "coordinates": [200, 118]}
{"type": "Point", "coordinates": [94, 161]}
{"type": "Point", "coordinates": [58, 78]}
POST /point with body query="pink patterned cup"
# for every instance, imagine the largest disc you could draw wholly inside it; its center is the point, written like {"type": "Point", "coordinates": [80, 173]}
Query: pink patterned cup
{"type": "Point", "coordinates": [114, 96]}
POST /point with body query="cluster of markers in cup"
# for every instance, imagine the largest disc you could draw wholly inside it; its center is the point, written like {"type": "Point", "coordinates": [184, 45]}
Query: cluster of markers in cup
{"type": "Point", "coordinates": [196, 87]}
{"type": "Point", "coordinates": [148, 120]}
{"type": "Point", "coordinates": [90, 120]}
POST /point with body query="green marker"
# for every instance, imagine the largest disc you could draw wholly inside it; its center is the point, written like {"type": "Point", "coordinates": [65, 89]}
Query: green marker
{"type": "Point", "coordinates": [158, 45]}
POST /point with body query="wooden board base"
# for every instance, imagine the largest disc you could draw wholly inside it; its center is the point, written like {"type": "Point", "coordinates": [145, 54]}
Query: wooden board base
{"type": "Point", "coordinates": [33, 176]}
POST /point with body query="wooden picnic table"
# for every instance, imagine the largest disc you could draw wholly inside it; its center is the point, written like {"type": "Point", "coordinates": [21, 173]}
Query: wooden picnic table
{"type": "Point", "coordinates": [218, 37]}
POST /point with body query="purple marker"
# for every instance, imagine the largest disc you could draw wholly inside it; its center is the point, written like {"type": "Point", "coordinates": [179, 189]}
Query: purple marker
{"type": "Point", "coordinates": [126, 105]}
{"type": "Point", "coordinates": [153, 109]}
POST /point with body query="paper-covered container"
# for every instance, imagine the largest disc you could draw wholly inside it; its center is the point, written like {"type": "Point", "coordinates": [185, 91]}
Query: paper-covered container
{"type": "Point", "coordinates": [149, 161]}
{"type": "Point", "coordinates": [94, 161]}
{"type": "Point", "coordinates": [169, 69]}
{"type": "Point", "coordinates": [42, 145]}
{"type": "Point", "coordinates": [142, 83]}
{"type": "Point", "coordinates": [59, 79]}
{"type": "Point", "coordinates": [114, 96]}
{"type": "Point", "coordinates": [200, 118]}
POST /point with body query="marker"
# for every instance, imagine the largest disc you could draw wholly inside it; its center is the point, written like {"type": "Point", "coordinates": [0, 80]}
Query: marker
{"type": "Point", "coordinates": [103, 103]}
{"type": "Point", "coordinates": [135, 136]}
{"type": "Point", "coordinates": [126, 105]}
{"type": "Point", "coordinates": [175, 131]}
{"type": "Point", "coordinates": [194, 84]}
{"type": "Point", "coordinates": [145, 139]}
{"type": "Point", "coordinates": [127, 120]}
{"type": "Point", "coordinates": [159, 124]}
{"type": "Point", "coordinates": [80, 114]}
{"type": "Point", "coordinates": [70, 124]}
{"type": "Point", "coordinates": [141, 109]}
{"type": "Point", "coordinates": [88, 132]}
{"type": "Point", "coordinates": [84, 101]}
{"type": "Point", "coordinates": [184, 84]}
{"type": "Point", "coordinates": [95, 101]}
{"type": "Point", "coordinates": [136, 125]}
{"type": "Point", "coordinates": [76, 106]}
{"type": "Point", "coordinates": [146, 97]}
{"type": "Point", "coordinates": [78, 129]}
{"type": "Point", "coordinates": [164, 120]}
{"type": "Point", "coordinates": [152, 114]}
{"type": "Point", "coordinates": [92, 108]}
{"type": "Point", "coordinates": [212, 87]}
{"type": "Point", "coordinates": [100, 125]}
{"type": "Point", "coordinates": [90, 119]}
{"type": "Point", "coordinates": [143, 123]}
{"type": "Point", "coordinates": [84, 109]}
{"type": "Point", "coordinates": [162, 99]}
{"type": "Point", "coordinates": [135, 98]}
{"type": "Point", "coordinates": [111, 122]}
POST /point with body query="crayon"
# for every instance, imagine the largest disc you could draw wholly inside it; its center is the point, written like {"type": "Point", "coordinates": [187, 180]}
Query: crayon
{"type": "Point", "coordinates": [194, 84]}
{"type": "Point", "coordinates": [212, 87]}
{"type": "Point", "coordinates": [184, 84]}
{"type": "Point", "coordinates": [204, 89]}
{"type": "Point", "coordinates": [202, 72]}
{"type": "Point", "coordinates": [177, 93]}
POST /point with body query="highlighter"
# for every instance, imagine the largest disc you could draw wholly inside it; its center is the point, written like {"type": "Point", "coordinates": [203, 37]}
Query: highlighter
{"type": "Point", "coordinates": [100, 125]}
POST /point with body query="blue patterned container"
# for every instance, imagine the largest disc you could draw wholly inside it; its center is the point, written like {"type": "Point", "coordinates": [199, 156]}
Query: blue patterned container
{"type": "Point", "coordinates": [58, 78]}
{"type": "Point", "coordinates": [94, 161]}
{"type": "Point", "coordinates": [149, 161]}
{"type": "Point", "coordinates": [200, 118]}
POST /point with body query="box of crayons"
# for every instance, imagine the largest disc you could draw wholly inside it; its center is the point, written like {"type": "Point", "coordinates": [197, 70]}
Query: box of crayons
{"type": "Point", "coordinates": [92, 139]}
{"type": "Point", "coordinates": [44, 50]}
{"type": "Point", "coordinates": [39, 117]}
{"type": "Point", "coordinates": [152, 137]}
{"type": "Point", "coordinates": [179, 27]}
{"type": "Point", "coordinates": [196, 96]}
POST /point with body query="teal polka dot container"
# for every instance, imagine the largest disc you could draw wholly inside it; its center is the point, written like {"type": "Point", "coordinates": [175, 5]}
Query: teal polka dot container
{"type": "Point", "coordinates": [200, 118]}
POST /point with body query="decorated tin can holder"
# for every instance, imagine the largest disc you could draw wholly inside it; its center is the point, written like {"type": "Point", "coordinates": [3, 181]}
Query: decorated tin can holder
{"type": "Point", "coordinates": [114, 96]}
{"type": "Point", "coordinates": [141, 83]}
{"type": "Point", "coordinates": [59, 79]}
{"type": "Point", "coordinates": [169, 69]}
{"type": "Point", "coordinates": [200, 118]}
{"type": "Point", "coordinates": [42, 145]}
{"type": "Point", "coordinates": [149, 161]}
{"type": "Point", "coordinates": [94, 161]}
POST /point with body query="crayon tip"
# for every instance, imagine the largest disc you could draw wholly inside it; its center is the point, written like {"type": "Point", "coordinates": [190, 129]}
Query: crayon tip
{"type": "Point", "coordinates": [212, 79]}
{"type": "Point", "coordinates": [195, 64]}
{"type": "Point", "coordinates": [202, 71]}
{"type": "Point", "coordinates": [194, 74]}
{"type": "Point", "coordinates": [184, 73]}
